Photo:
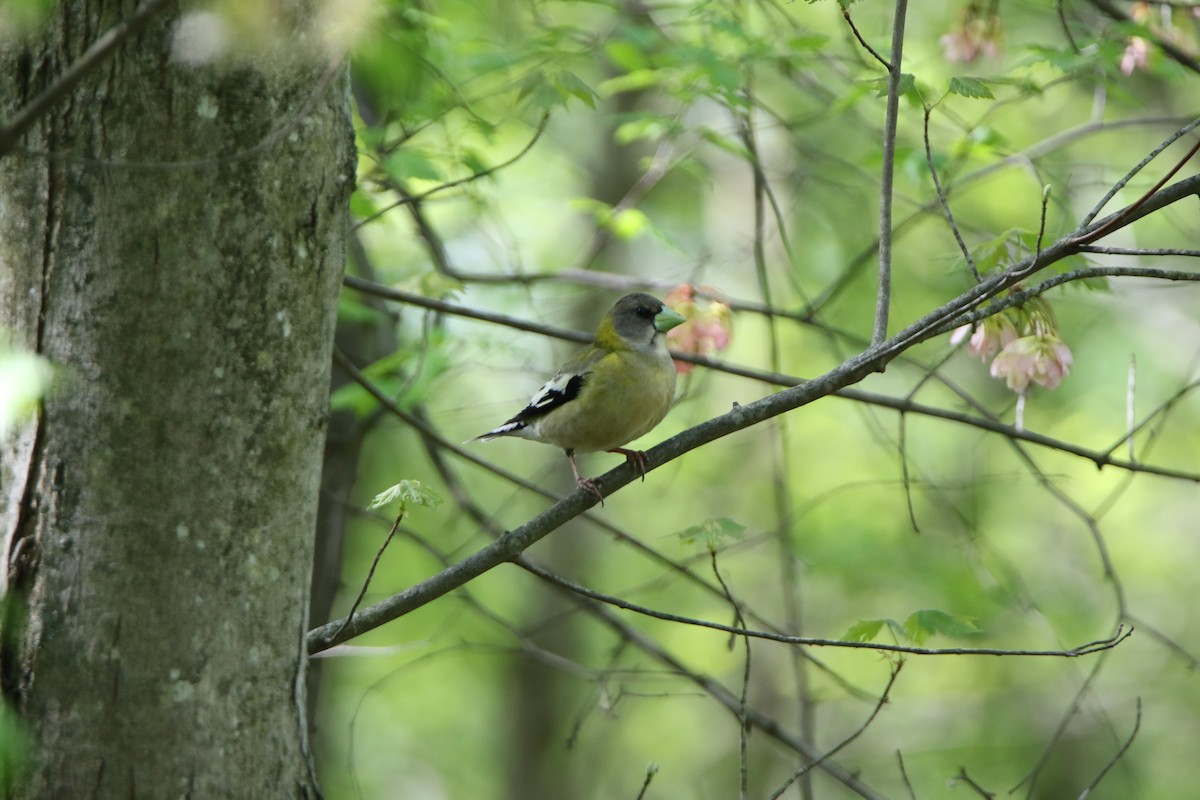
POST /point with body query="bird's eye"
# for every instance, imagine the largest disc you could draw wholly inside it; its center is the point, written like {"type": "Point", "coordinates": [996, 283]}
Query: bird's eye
{"type": "Point", "coordinates": [646, 312]}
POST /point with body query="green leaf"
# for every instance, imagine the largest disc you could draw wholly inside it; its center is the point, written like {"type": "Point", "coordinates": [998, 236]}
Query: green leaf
{"type": "Point", "coordinates": [407, 493]}
{"type": "Point", "coordinates": [628, 223]}
{"type": "Point", "coordinates": [920, 625]}
{"type": "Point", "coordinates": [865, 630]}
{"type": "Point", "coordinates": [362, 205]}
{"type": "Point", "coordinates": [725, 142]}
{"type": "Point", "coordinates": [650, 128]}
{"type": "Point", "coordinates": [970, 87]}
{"type": "Point", "coordinates": [712, 532]}
{"type": "Point", "coordinates": [352, 309]}
{"type": "Point", "coordinates": [908, 83]}
{"type": "Point", "coordinates": [571, 85]}
{"type": "Point", "coordinates": [540, 91]}
{"type": "Point", "coordinates": [625, 54]}
{"type": "Point", "coordinates": [406, 375]}
{"type": "Point", "coordinates": [472, 160]}
{"type": "Point", "coordinates": [631, 82]}
{"type": "Point", "coordinates": [407, 163]}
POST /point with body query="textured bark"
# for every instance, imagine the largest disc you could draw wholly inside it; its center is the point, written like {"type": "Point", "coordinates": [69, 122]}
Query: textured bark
{"type": "Point", "coordinates": [159, 513]}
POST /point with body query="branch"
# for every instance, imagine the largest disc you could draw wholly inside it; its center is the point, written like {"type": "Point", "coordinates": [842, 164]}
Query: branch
{"type": "Point", "coordinates": [474, 176]}
{"type": "Point", "coordinates": [715, 689]}
{"type": "Point", "coordinates": [884, 299]}
{"type": "Point", "coordinates": [510, 546]}
{"type": "Point", "coordinates": [1099, 645]}
{"type": "Point", "coordinates": [101, 49]}
{"type": "Point", "coordinates": [937, 185]}
{"type": "Point", "coordinates": [863, 42]}
{"type": "Point", "coordinates": [883, 699]}
{"type": "Point", "coordinates": [1137, 724]}
{"type": "Point", "coordinates": [1101, 458]}
{"type": "Point", "coordinates": [874, 359]}
{"type": "Point", "coordinates": [1128, 176]}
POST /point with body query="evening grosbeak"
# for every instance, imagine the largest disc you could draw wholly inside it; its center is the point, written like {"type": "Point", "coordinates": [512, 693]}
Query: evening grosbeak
{"type": "Point", "coordinates": [609, 393]}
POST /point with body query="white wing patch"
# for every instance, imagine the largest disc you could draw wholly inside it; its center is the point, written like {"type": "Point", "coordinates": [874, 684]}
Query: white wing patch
{"type": "Point", "coordinates": [551, 392]}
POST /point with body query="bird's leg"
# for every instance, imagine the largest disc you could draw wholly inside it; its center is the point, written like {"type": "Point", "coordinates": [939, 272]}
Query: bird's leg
{"type": "Point", "coordinates": [636, 457]}
{"type": "Point", "coordinates": [584, 483]}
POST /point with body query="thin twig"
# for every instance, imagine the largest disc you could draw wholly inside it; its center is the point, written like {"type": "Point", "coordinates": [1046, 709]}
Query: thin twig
{"type": "Point", "coordinates": [1130, 397]}
{"type": "Point", "coordinates": [1137, 724]}
{"type": "Point", "coordinates": [1042, 223]}
{"type": "Point", "coordinates": [1140, 251]}
{"type": "Point", "coordinates": [937, 185]}
{"type": "Point", "coordinates": [370, 574]}
{"type": "Point", "coordinates": [1031, 778]}
{"type": "Point", "coordinates": [474, 176]}
{"type": "Point", "coordinates": [720, 693]}
{"type": "Point", "coordinates": [883, 698]}
{"type": "Point", "coordinates": [1128, 176]}
{"type": "Point", "coordinates": [1066, 29]}
{"type": "Point", "coordinates": [1116, 220]}
{"type": "Point", "coordinates": [965, 778]}
{"type": "Point", "coordinates": [744, 696]}
{"type": "Point", "coordinates": [1087, 649]}
{"type": "Point", "coordinates": [863, 42]}
{"type": "Point", "coordinates": [651, 771]}
{"type": "Point", "coordinates": [904, 777]}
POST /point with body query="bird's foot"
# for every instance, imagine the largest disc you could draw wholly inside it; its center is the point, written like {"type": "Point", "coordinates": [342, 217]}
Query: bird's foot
{"type": "Point", "coordinates": [590, 487]}
{"type": "Point", "coordinates": [635, 457]}
{"type": "Point", "coordinates": [584, 483]}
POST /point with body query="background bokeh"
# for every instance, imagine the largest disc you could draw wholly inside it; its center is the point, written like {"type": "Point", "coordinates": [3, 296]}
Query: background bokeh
{"type": "Point", "coordinates": [538, 160]}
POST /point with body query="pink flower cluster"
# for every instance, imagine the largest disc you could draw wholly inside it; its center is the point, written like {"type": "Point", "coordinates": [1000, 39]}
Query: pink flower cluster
{"type": "Point", "coordinates": [708, 326]}
{"type": "Point", "coordinates": [978, 33]}
{"type": "Point", "coordinates": [1025, 343]}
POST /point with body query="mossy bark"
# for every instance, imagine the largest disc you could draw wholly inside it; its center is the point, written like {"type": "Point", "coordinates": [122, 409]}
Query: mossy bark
{"type": "Point", "coordinates": [172, 239]}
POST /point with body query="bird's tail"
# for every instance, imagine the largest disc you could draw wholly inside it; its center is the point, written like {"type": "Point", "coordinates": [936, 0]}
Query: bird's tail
{"type": "Point", "coordinates": [507, 429]}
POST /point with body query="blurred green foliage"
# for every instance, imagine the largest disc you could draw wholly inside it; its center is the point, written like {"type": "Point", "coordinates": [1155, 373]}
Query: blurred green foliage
{"type": "Point", "coordinates": [545, 157]}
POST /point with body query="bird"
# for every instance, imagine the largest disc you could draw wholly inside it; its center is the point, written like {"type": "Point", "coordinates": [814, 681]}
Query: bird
{"type": "Point", "coordinates": [609, 393]}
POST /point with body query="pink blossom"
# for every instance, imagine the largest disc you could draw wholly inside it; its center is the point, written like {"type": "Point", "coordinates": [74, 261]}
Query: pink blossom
{"type": "Point", "coordinates": [977, 34]}
{"type": "Point", "coordinates": [989, 336]}
{"type": "Point", "coordinates": [1042, 358]}
{"type": "Point", "coordinates": [707, 328]}
{"type": "Point", "coordinates": [1135, 56]}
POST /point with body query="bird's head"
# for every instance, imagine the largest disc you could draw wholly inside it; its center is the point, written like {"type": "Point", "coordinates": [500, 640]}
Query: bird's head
{"type": "Point", "coordinates": [635, 322]}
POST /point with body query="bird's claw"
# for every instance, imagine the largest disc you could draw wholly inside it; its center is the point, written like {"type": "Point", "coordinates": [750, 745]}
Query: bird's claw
{"type": "Point", "coordinates": [636, 457]}
{"type": "Point", "coordinates": [590, 487]}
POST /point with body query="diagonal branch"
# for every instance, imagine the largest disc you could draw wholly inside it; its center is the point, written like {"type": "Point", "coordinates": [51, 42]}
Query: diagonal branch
{"type": "Point", "coordinates": [101, 49]}
{"type": "Point", "coordinates": [874, 359]}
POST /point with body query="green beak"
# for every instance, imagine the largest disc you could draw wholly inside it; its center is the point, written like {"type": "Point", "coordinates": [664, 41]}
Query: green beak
{"type": "Point", "coordinates": [667, 319]}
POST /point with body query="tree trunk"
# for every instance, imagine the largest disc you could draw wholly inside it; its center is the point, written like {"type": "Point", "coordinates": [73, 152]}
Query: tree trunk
{"type": "Point", "coordinates": [172, 238]}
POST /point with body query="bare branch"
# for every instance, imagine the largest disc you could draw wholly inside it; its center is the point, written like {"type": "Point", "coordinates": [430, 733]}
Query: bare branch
{"type": "Point", "coordinates": [937, 185]}
{"type": "Point", "coordinates": [883, 698]}
{"type": "Point", "coordinates": [1099, 458]}
{"type": "Point", "coordinates": [1137, 724]}
{"type": "Point", "coordinates": [884, 299]}
{"type": "Point", "coordinates": [863, 42]}
{"type": "Point", "coordinates": [1119, 185]}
